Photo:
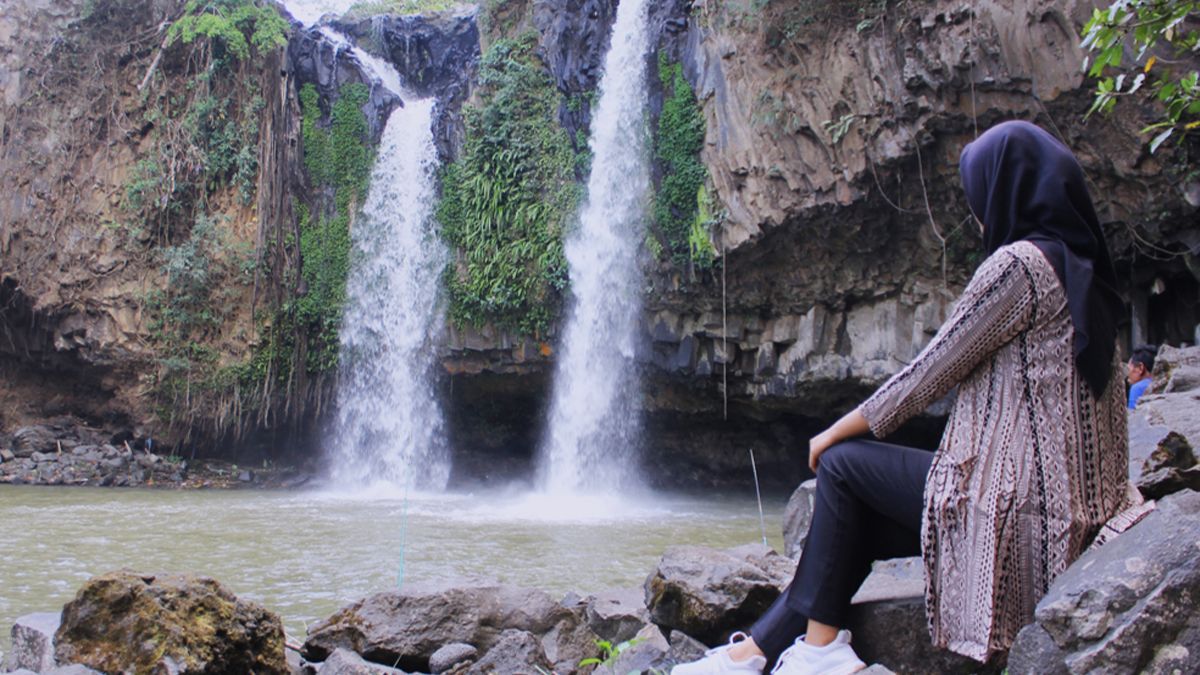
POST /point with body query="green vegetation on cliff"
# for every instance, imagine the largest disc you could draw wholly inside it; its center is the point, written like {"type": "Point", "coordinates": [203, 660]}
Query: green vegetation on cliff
{"type": "Point", "coordinates": [682, 207]}
{"type": "Point", "coordinates": [235, 25]}
{"type": "Point", "coordinates": [186, 194]}
{"type": "Point", "coordinates": [338, 160]}
{"type": "Point", "coordinates": [507, 200]}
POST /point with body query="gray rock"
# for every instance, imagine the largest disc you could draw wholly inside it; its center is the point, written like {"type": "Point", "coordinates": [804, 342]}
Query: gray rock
{"type": "Point", "coordinates": [709, 593]}
{"type": "Point", "coordinates": [887, 620]}
{"type": "Point", "coordinates": [1128, 606]}
{"type": "Point", "coordinates": [517, 652]}
{"type": "Point", "coordinates": [31, 439]}
{"type": "Point", "coordinates": [1167, 481]}
{"type": "Point", "coordinates": [876, 669]}
{"type": "Point", "coordinates": [1038, 653]}
{"type": "Point", "coordinates": [648, 650]}
{"type": "Point", "coordinates": [685, 648]}
{"type": "Point", "coordinates": [448, 656]}
{"type": "Point", "coordinates": [6, 455]}
{"type": "Point", "coordinates": [797, 517]}
{"type": "Point", "coordinates": [20, 671]}
{"type": "Point", "coordinates": [617, 615]}
{"type": "Point", "coordinates": [33, 642]}
{"type": "Point", "coordinates": [346, 662]}
{"type": "Point", "coordinates": [407, 626]}
{"type": "Point", "coordinates": [1172, 452]}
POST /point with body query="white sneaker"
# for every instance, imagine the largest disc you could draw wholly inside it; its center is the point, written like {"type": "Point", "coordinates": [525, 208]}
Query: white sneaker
{"type": "Point", "coordinates": [717, 661]}
{"type": "Point", "coordinates": [835, 658]}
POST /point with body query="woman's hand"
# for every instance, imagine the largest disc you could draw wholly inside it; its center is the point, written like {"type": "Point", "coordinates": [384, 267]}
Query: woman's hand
{"type": "Point", "coordinates": [817, 445]}
{"type": "Point", "coordinates": [852, 424]}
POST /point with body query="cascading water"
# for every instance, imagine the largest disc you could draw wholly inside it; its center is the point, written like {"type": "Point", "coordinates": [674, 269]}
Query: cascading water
{"type": "Point", "coordinates": [593, 425]}
{"type": "Point", "coordinates": [389, 426]}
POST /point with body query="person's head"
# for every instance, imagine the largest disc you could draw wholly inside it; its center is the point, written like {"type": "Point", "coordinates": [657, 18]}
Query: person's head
{"type": "Point", "coordinates": [1141, 363]}
{"type": "Point", "coordinates": [1024, 185]}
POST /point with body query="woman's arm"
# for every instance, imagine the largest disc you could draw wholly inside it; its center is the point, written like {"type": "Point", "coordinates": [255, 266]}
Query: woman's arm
{"type": "Point", "coordinates": [996, 306]}
{"type": "Point", "coordinates": [852, 424]}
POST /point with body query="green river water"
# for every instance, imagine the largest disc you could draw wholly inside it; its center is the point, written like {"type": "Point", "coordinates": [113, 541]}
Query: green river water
{"type": "Point", "coordinates": [305, 554]}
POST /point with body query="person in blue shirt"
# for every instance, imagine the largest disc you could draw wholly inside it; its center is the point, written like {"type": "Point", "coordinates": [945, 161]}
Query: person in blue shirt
{"type": "Point", "coordinates": [1140, 366]}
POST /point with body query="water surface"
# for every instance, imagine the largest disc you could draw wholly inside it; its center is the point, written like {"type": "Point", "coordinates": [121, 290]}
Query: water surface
{"type": "Point", "coordinates": [305, 554]}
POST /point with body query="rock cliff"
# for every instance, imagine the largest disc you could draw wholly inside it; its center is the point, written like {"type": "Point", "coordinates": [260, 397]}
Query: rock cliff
{"type": "Point", "coordinates": [832, 132]}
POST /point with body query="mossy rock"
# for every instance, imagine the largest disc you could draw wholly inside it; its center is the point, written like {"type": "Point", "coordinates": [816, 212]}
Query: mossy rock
{"type": "Point", "coordinates": [129, 622]}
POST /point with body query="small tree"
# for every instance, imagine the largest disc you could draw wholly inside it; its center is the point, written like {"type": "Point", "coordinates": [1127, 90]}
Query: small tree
{"type": "Point", "coordinates": [1173, 81]}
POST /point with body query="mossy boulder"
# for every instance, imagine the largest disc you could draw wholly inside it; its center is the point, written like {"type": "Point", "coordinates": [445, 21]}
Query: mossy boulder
{"type": "Point", "coordinates": [125, 621]}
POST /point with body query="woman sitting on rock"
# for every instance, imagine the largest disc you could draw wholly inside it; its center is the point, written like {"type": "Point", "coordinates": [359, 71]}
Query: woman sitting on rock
{"type": "Point", "coordinates": [1034, 458]}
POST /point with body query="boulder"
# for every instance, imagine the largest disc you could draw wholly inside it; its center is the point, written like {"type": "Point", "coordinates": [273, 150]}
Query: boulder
{"type": "Point", "coordinates": [1131, 605]}
{"type": "Point", "coordinates": [33, 642]}
{"type": "Point", "coordinates": [346, 662]}
{"type": "Point", "coordinates": [181, 623]}
{"type": "Point", "coordinates": [1172, 452]}
{"type": "Point", "coordinates": [31, 439]}
{"type": "Point", "coordinates": [617, 615]}
{"type": "Point", "coordinates": [709, 593]}
{"type": "Point", "coordinates": [685, 648]}
{"type": "Point", "coordinates": [517, 652]}
{"type": "Point", "coordinates": [887, 620]}
{"type": "Point", "coordinates": [407, 626]}
{"type": "Point", "coordinates": [1167, 481]}
{"type": "Point", "coordinates": [448, 656]}
{"type": "Point", "coordinates": [649, 650]}
{"type": "Point", "coordinates": [797, 517]}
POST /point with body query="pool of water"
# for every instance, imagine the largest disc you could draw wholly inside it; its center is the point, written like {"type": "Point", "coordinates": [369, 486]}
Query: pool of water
{"type": "Point", "coordinates": [305, 554]}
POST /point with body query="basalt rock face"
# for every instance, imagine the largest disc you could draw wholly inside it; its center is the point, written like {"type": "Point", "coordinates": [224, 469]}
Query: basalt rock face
{"type": "Point", "coordinates": [846, 245]}
{"type": "Point", "coordinates": [437, 56]}
{"type": "Point", "coordinates": [318, 60]}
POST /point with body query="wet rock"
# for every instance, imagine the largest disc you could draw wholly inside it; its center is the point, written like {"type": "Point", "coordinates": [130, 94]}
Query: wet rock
{"type": "Point", "coordinates": [33, 642]}
{"type": "Point", "coordinates": [406, 627]}
{"type": "Point", "coordinates": [346, 662]}
{"type": "Point", "coordinates": [617, 615]}
{"type": "Point", "coordinates": [797, 517]}
{"type": "Point", "coordinates": [515, 651]}
{"type": "Point", "coordinates": [709, 593]}
{"type": "Point", "coordinates": [186, 624]}
{"type": "Point", "coordinates": [1130, 605]}
{"type": "Point", "coordinates": [451, 655]}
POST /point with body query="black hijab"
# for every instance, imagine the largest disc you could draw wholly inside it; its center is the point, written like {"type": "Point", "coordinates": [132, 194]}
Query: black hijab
{"type": "Point", "coordinates": [1026, 185]}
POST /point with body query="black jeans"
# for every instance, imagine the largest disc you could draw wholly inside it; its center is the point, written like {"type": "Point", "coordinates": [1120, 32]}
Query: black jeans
{"type": "Point", "coordinates": [867, 507]}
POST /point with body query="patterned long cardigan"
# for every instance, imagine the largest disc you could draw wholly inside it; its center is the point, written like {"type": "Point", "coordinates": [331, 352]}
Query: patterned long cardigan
{"type": "Point", "coordinates": [1031, 465]}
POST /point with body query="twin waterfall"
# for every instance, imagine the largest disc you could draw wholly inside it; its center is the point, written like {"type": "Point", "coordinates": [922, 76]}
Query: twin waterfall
{"type": "Point", "coordinates": [591, 441]}
{"type": "Point", "coordinates": [389, 428]}
{"type": "Point", "coordinates": [389, 425]}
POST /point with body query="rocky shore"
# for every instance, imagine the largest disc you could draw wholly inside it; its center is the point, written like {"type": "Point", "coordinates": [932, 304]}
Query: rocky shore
{"type": "Point", "coordinates": [67, 452]}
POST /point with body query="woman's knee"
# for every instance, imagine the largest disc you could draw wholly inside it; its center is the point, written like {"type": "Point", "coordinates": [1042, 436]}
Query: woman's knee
{"type": "Point", "coordinates": [839, 459]}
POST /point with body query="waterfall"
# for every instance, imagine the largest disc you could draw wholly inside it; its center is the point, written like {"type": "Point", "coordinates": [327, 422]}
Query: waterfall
{"type": "Point", "coordinates": [592, 439]}
{"type": "Point", "coordinates": [388, 427]}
